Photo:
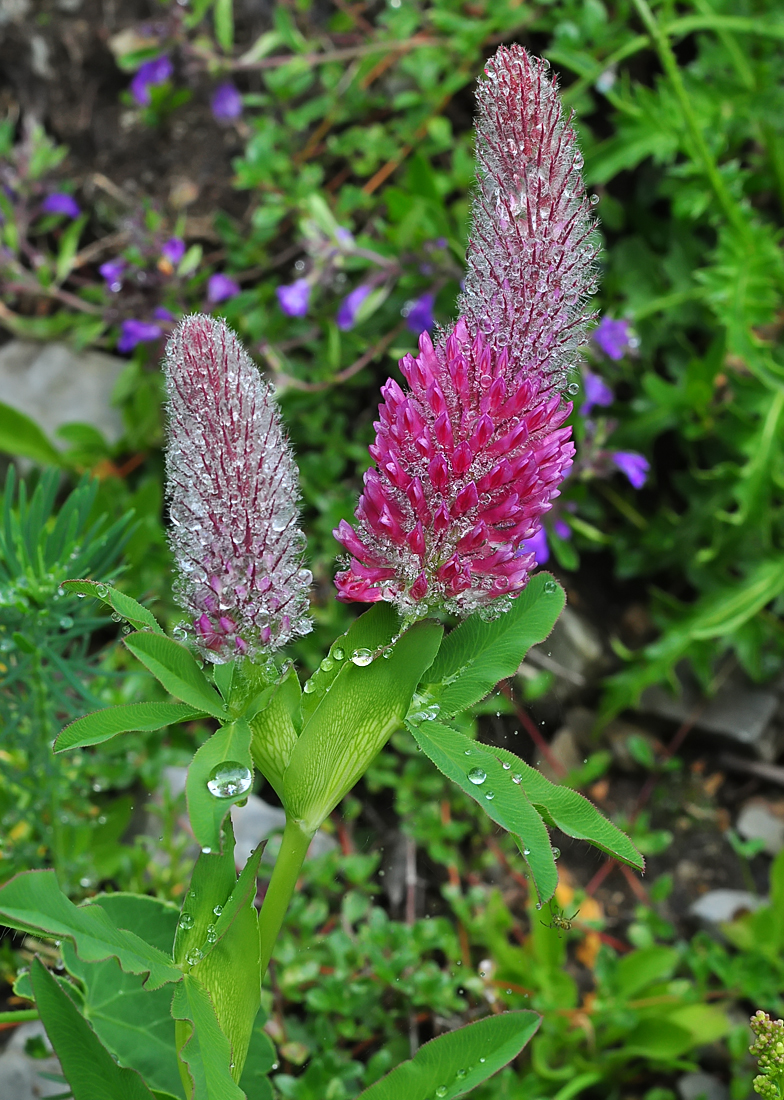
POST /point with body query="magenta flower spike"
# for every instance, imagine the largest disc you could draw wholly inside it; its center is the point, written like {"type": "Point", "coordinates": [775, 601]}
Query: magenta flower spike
{"type": "Point", "coordinates": [470, 455]}
{"type": "Point", "coordinates": [233, 492]}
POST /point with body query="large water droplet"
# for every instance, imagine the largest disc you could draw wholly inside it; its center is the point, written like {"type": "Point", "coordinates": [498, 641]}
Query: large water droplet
{"type": "Point", "coordinates": [573, 388]}
{"type": "Point", "coordinates": [362, 657]}
{"type": "Point", "coordinates": [550, 587]}
{"type": "Point", "coordinates": [309, 687]}
{"type": "Point", "coordinates": [229, 779]}
{"type": "Point", "coordinates": [326, 665]}
{"type": "Point", "coordinates": [477, 776]}
{"type": "Point", "coordinates": [194, 957]}
{"type": "Point", "coordinates": [102, 590]}
{"type": "Point", "coordinates": [338, 653]}
{"type": "Point", "coordinates": [186, 921]}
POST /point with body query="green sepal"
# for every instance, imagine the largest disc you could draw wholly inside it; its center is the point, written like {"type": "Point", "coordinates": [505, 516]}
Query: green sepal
{"type": "Point", "coordinates": [206, 812]}
{"type": "Point", "coordinates": [457, 756]}
{"type": "Point", "coordinates": [175, 667]}
{"type": "Point", "coordinates": [455, 1063]}
{"type": "Point", "coordinates": [131, 610]}
{"type": "Point", "coordinates": [33, 902]}
{"type": "Point", "coordinates": [89, 1068]}
{"type": "Point", "coordinates": [101, 725]}
{"type": "Point", "coordinates": [352, 721]}
{"type": "Point", "coordinates": [475, 656]}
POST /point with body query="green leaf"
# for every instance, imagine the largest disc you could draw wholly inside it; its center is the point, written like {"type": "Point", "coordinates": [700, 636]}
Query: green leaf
{"type": "Point", "coordinates": [353, 720]}
{"type": "Point", "coordinates": [453, 1064]}
{"type": "Point", "coordinates": [570, 811]}
{"type": "Point", "coordinates": [175, 667]}
{"type": "Point", "coordinates": [130, 610]}
{"type": "Point", "coordinates": [261, 1058]}
{"type": "Point", "coordinates": [202, 1045]}
{"type": "Point", "coordinates": [477, 654]}
{"type": "Point", "coordinates": [458, 757]}
{"type": "Point", "coordinates": [99, 726]}
{"type": "Point", "coordinates": [223, 16]}
{"type": "Point", "coordinates": [90, 1070]}
{"type": "Point", "coordinates": [229, 743]}
{"type": "Point", "coordinates": [32, 901]}
{"type": "Point", "coordinates": [19, 435]}
{"type": "Point", "coordinates": [275, 731]}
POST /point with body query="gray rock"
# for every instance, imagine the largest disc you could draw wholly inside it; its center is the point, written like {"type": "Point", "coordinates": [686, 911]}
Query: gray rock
{"type": "Point", "coordinates": [718, 906]}
{"type": "Point", "coordinates": [20, 1075]}
{"type": "Point", "coordinates": [701, 1086]}
{"type": "Point", "coordinates": [13, 11]}
{"type": "Point", "coordinates": [739, 710]}
{"type": "Point", "coordinates": [756, 821]}
{"type": "Point", "coordinates": [55, 385]}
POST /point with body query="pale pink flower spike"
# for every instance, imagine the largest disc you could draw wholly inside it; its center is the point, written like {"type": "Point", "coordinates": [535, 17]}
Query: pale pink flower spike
{"type": "Point", "coordinates": [470, 455]}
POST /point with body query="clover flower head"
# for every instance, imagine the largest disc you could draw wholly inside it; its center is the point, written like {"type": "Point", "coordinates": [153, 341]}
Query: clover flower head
{"type": "Point", "coordinates": [233, 492]}
{"type": "Point", "coordinates": [470, 454]}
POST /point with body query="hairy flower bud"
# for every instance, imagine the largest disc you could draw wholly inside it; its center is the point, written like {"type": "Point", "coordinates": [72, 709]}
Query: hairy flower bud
{"type": "Point", "coordinates": [471, 454]}
{"type": "Point", "coordinates": [232, 488]}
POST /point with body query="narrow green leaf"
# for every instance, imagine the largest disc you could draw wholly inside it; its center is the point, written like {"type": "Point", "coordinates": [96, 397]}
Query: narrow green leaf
{"type": "Point", "coordinates": [355, 718]}
{"type": "Point", "coordinates": [223, 15]}
{"type": "Point", "coordinates": [175, 667]}
{"type": "Point", "coordinates": [89, 1069]}
{"type": "Point", "coordinates": [204, 1048]}
{"type": "Point", "coordinates": [570, 811]}
{"type": "Point", "coordinates": [99, 726]}
{"type": "Point", "coordinates": [275, 731]}
{"type": "Point", "coordinates": [477, 654]}
{"type": "Point", "coordinates": [454, 1064]}
{"type": "Point", "coordinates": [132, 611]}
{"type": "Point", "coordinates": [19, 435]}
{"type": "Point", "coordinates": [477, 771]}
{"type": "Point", "coordinates": [32, 901]}
{"type": "Point", "coordinates": [230, 743]}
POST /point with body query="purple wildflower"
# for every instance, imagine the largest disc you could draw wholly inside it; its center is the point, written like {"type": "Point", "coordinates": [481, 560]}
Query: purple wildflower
{"type": "Point", "coordinates": [220, 287]}
{"type": "Point", "coordinates": [293, 298]}
{"type": "Point", "coordinates": [232, 487]}
{"type": "Point", "coordinates": [635, 467]}
{"type": "Point", "coordinates": [134, 332]}
{"type": "Point", "coordinates": [612, 337]}
{"type": "Point", "coordinates": [61, 203]}
{"type": "Point", "coordinates": [173, 250]}
{"type": "Point", "coordinates": [112, 273]}
{"type": "Point", "coordinates": [561, 529]}
{"type": "Point", "coordinates": [161, 313]}
{"type": "Point", "coordinates": [347, 314]}
{"type": "Point", "coordinates": [226, 103]}
{"type": "Point", "coordinates": [470, 455]}
{"type": "Point", "coordinates": [538, 546]}
{"type": "Point", "coordinates": [420, 316]}
{"type": "Point", "coordinates": [344, 237]}
{"type": "Point", "coordinates": [156, 71]}
{"type": "Point", "coordinates": [597, 392]}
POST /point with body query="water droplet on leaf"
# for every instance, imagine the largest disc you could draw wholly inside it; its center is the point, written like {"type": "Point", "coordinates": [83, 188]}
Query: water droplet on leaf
{"type": "Point", "coordinates": [338, 653]}
{"type": "Point", "coordinates": [477, 776]}
{"type": "Point", "coordinates": [362, 657]}
{"type": "Point", "coordinates": [556, 853]}
{"type": "Point", "coordinates": [194, 957]}
{"type": "Point", "coordinates": [186, 921]}
{"type": "Point", "coordinates": [218, 910]}
{"type": "Point", "coordinates": [309, 687]}
{"type": "Point", "coordinates": [490, 796]}
{"type": "Point", "coordinates": [229, 779]}
{"type": "Point", "coordinates": [550, 587]}
{"type": "Point", "coordinates": [212, 935]}
{"type": "Point", "coordinates": [102, 590]}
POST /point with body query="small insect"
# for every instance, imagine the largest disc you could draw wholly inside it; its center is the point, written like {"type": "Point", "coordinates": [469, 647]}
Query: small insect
{"type": "Point", "coordinates": [560, 921]}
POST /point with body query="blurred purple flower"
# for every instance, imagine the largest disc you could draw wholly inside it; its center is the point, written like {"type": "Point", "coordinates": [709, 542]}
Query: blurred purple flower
{"type": "Point", "coordinates": [347, 314]}
{"type": "Point", "coordinates": [173, 250]}
{"type": "Point", "coordinates": [561, 529]}
{"type": "Point", "coordinates": [161, 313]}
{"type": "Point", "coordinates": [635, 467]}
{"type": "Point", "coordinates": [597, 392]}
{"type": "Point", "coordinates": [61, 203]}
{"type": "Point", "coordinates": [226, 102]}
{"type": "Point", "coordinates": [156, 71]}
{"type": "Point", "coordinates": [220, 287]}
{"type": "Point", "coordinates": [537, 545]}
{"type": "Point", "coordinates": [294, 297]}
{"type": "Point", "coordinates": [344, 236]}
{"type": "Point", "coordinates": [612, 337]}
{"type": "Point", "coordinates": [112, 272]}
{"type": "Point", "coordinates": [134, 332]}
{"type": "Point", "coordinates": [420, 316]}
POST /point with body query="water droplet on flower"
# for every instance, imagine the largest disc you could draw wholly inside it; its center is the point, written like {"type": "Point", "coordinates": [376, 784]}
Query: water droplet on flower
{"type": "Point", "coordinates": [362, 657]}
{"type": "Point", "coordinates": [573, 388]}
{"type": "Point", "coordinates": [338, 653]}
{"type": "Point", "coordinates": [490, 796]}
{"type": "Point", "coordinates": [477, 776]}
{"type": "Point", "coordinates": [550, 587]}
{"type": "Point", "coordinates": [102, 590]}
{"type": "Point", "coordinates": [309, 687]}
{"type": "Point", "coordinates": [218, 910]}
{"type": "Point", "coordinates": [594, 200]}
{"type": "Point", "coordinates": [556, 853]}
{"type": "Point", "coordinates": [179, 634]}
{"type": "Point", "coordinates": [212, 935]}
{"type": "Point", "coordinates": [194, 957]}
{"type": "Point", "coordinates": [186, 921]}
{"type": "Point", "coordinates": [229, 779]}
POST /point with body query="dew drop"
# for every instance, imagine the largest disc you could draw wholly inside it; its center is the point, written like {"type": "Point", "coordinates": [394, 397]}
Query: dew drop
{"type": "Point", "coordinates": [573, 388]}
{"type": "Point", "coordinates": [490, 796]}
{"type": "Point", "coordinates": [229, 779]}
{"type": "Point", "coordinates": [467, 752]}
{"type": "Point", "coordinates": [338, 653]}
{"type": "Point", "coordinates": [194, 956]}
{"type": "Point", "coordinates": [206, 851]}
{"type": "Point", "coordinates": [362, 657]}
{"type": "Point", "coordinates": [594, 200]}
{"type": "Point", "coordinates": [477, 777]}
{"type": "Point", "coordinates": [66, 622]}
{"type": "Point", "coordinates": [80, 595]}
{"type": "Point", "coordinates": [186, 921]}
{"type": "Point", "coordinates": [218, 909]}
{"type": "Point", "coordinates": [538, 905]}
{"type": "Point", "coordinates": [506, 765]}
{"type": "Point", "coordinates": [212, 935]}
{"type": "Point", "coordinates": [517, 778]}
{"type": "Point", "coordinates": [441, 1091]}
{"type": "Point", "coordinates": [102, 590]}
{"type": "Point", "coordinates": [526, 851]}
{"type": "Point", "coordinates": [309, 687]}
{"type": "Point", "coordinates": [326, 665]}
{"type": "Point", "coordinates": [482, 1060]}
{"type": "Point", "coordinates": [556, 853]}
{"type": "Point", "coordinates": [550, 587]}
{"type": "Point", "coordinates": [461, 1074]}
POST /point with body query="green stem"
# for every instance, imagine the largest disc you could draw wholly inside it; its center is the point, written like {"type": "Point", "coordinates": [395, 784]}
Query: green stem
{"type": "Point", "coordinates": [281, 887]}
{"type": "Point", "coordinates": [19, 1017]}
{"type": "Point", "coordinates": [732, 211]}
